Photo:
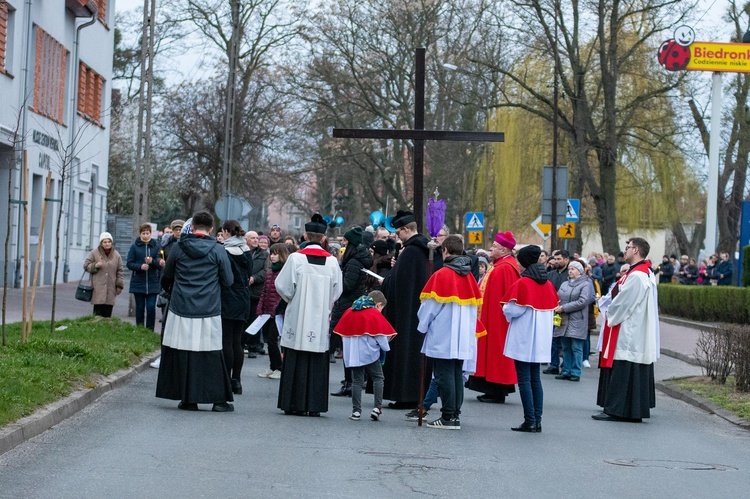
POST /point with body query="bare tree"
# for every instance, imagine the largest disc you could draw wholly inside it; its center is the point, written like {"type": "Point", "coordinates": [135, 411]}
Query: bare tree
{"type": "Point", "coordinates": [358, 72]}
{"type": "Point", "coordinates": [600, 46]}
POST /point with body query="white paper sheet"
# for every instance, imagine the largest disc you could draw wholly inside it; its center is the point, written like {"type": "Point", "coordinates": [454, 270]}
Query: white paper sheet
{"type": "Point", "coordinates": [376, 276]}
{"type": "Point", "coordinates": [257, 324]}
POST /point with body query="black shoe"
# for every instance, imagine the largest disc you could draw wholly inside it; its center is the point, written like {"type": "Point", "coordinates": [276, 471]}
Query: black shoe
{"type": "Point", "coordinates": [491, 400]}
{"type": "Point", "coordinates": [551, 370]}
{"type": "Point", "coordinates": [603, 416]}
{"type": "Point", "coordinates": [574, 378]}
{"type": "Point", "coordinates": [294, 413]}
{"type": "Point", "coordinates": [525, 428]}
{"type": "Point", "coordinates": [346, 391]}
{"type": "Point", "coordinates": [563, 376]}
{"type": "Point", "coordinates": [236, 386]}
{"type": "Point", "coordinates": [538, 428]}
{"type": "Point", "coordinates": [185, 406]}
{"type": "Point", "coordinates": [223, 407]}
{"type": "Point", "coordinates": [251, 355]}
{"type": "Point", "coordinates": [313, 414]}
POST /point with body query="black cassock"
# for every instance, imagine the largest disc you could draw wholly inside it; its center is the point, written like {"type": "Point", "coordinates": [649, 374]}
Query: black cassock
{"type": "Point", "coordinates": [402, 288]}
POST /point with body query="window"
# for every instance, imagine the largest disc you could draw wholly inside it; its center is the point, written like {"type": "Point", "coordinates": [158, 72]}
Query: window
{"type": "Point", "coordinates": [49, 77]}
{"type": "Point", "coordinates": [90, 86]}
{"type": "Point", "coordinates": [7, 21]}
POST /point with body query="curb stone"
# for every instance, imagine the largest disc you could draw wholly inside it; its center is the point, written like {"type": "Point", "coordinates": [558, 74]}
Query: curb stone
{"type": "Point", "coordinates": [45, 418]}
{"type": "Point", "coordinates": [701, 403]}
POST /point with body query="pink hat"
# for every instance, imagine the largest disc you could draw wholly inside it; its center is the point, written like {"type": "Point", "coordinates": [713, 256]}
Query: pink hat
{"type": "Point", "coordinates": [506, 239]}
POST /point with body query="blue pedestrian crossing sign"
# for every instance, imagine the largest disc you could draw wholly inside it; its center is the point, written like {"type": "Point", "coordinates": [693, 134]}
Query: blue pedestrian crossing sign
{"type": "Point", "coordinates": [474, 220]}
{"type": "Point", "coordinates": [573, 214]}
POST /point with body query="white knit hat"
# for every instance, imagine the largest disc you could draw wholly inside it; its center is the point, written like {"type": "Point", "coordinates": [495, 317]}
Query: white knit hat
{"type": "Point", "coordinates": [577, 266]}
{"type": "Point", "coordinates": [103, 236]}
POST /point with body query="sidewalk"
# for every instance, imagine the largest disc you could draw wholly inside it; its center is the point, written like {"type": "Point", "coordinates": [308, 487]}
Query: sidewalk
{"type": "Point", "coordinates": [67, 306]}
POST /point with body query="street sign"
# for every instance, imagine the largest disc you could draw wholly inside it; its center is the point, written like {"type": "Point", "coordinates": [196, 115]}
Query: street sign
{"type": "Point", "coordinates": [567, 231]}
{"type": "Point", "coordinates": [561, 197]}
{"type": "Point", "coordinates": [541, 228]}
{"type": "Point", "coordinates": [474, 221]}
{"type": "Point", "coordinates": [573, 213]}
{"type": "Point", "coordinates": [475, 237]}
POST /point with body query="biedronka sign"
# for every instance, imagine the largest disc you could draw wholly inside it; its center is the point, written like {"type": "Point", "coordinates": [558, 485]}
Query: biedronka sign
{"type": "Point", "coordinates": [683, 53]}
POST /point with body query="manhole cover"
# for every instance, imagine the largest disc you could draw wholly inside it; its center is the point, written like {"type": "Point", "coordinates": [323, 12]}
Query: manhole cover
{"type": "Point", "coordinates": [670, 465]}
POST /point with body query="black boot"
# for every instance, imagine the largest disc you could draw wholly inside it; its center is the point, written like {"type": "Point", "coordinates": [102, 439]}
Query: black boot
{"type": "Point", "coordinates": [236, 386]}
{"type": "Point", "coordinates": [346, 391]}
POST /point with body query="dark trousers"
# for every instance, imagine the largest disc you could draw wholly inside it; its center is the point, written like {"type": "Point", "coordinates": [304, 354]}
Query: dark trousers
{"type": "Point", "coordinates": [231, 342]}
{"type": "Point", "coordinates": [103, 310]}
{"type": "Point", "coordinates": [530, 389]}
{"type": "Point", "coordinates": [450, 380]}
{"type": "Point", "coordinates": [271, 333]}
{"type": "Point", "coordinates": [555, 351]}
{"type": "Point", "coordinates": [145, 305]}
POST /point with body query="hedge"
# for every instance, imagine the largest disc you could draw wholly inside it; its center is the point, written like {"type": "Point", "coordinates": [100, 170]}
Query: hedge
{"type": "Point", "coordinates": [746, 266]}
{"type": "Point", "coordinates": [706, 303]}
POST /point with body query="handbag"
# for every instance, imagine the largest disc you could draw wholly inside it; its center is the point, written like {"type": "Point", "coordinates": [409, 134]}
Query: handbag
{"type": "Point", "coordinates": [84, 292]}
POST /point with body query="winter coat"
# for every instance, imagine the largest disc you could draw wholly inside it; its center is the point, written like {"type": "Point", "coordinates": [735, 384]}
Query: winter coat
{"type": "Point", "coordinates": [235, 299]}
{"type": "Point", "coordinates": [575, 297]}
{"type": "Point", "coordinates": [107, 278]}
{"type": "Point", "coordinates": [666, 272]}
{"type": "Point", "coordinates": [144, 281]}
{"type": "Point", "coordinates": [258, 272]}
{"type": "Point", "coordinates": [609, 274]}
{"type": "Point", "coordinates": [353, 281]}
{"type": "Point", "coordinates": [195, 271]}
{"type": "Point", "coordinates": [269, 297]}
{"type": "Point", "coordinates": [724, 269]}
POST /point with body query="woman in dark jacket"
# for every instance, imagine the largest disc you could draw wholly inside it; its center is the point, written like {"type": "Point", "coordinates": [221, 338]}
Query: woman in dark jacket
{"type": "Point", "coordinates": [381, 265]}
{"type": "Point", "coordinates": [269, 304]}
{"type": "Point", "coordinates": [235, 300]}
{"type": "Point", "coordinates": [356, 257]}
{"type": "Point", "coordinates": [145, 262]}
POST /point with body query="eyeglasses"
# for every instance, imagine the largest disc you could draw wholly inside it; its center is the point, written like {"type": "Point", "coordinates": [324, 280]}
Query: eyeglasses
{"type": "Point", "coordinates": [629, 247]}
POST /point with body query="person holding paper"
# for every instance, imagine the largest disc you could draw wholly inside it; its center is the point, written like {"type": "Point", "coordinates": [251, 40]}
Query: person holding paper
{"type": "Point", "coordinates": [310, 282]}
{"type": "Point", "coordinates": [269, 300]}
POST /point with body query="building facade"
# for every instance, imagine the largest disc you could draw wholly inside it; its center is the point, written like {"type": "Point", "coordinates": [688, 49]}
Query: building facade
{"type": "Point", "coordinates": [55, 95]}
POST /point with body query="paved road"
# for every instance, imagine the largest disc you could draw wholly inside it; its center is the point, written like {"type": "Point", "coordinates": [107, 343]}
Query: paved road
{"type": "Point", "coordinates": [131, 444]}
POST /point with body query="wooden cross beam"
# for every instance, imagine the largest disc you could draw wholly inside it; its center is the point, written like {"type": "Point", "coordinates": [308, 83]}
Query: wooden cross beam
{"type": "Point", "coordinates": [418, 135]}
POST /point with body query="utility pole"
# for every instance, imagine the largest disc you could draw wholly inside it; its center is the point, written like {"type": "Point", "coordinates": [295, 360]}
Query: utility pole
{"type": "Point", "coordinates": [143, 158]}
{"type": "Point", "coordinates": [555, 100]}
{"type": "Point", "coordinates": [234, 43]}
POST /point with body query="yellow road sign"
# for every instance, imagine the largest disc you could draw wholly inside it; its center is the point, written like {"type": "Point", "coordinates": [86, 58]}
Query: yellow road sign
{"type": "Point", "coordinates": [567, 231]}
{"type": "Point", "coordinates": [475, 237]}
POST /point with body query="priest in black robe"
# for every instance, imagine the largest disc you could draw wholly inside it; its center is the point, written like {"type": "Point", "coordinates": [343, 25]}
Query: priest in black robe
{"type": "Point", "coordinates": [402, 288]}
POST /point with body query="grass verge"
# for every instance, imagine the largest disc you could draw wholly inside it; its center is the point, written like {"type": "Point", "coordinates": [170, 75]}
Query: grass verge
{"type": "Point", "coordinates": [724, 396]}
{"type": "Point", "coordinates": [49, 367]}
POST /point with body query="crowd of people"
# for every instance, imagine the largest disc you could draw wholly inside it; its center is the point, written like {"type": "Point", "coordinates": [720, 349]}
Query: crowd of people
{"type": "Point", "coordinates": [413, 318]}
{"type": "Point", "coordinates": [716, 271]}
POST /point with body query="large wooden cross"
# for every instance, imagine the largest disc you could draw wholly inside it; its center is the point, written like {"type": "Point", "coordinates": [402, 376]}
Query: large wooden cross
{"type": "Point", "coordinates": [418, 135]}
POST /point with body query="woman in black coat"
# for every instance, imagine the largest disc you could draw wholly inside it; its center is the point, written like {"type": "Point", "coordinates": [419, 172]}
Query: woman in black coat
{"type": "Point", "coordinates": [356, 257]}
{"type": "Point", "coordinates": [146, 263]}
{"type": "Point", "coordinates": [235, 300]}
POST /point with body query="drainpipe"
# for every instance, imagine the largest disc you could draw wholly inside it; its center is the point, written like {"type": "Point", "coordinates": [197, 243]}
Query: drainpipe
{"type": "Point", "coordinates": [73, 131]}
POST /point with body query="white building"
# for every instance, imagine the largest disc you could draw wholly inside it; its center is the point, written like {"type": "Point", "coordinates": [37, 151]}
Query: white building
{"type": "Point", "coordinates": [55, 92]}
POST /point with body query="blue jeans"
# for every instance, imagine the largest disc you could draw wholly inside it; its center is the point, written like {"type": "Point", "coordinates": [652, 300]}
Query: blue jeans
{"type": "Point", "coordinates": [530, 389]}
{"type": "Point", "coordinates": [431, 396]}
{"type": "Point", "coordinates": [572, 356]}
{"type": "Point", "coordinates": [556, 347]}
{"type": "Point", "coordinates": [145, 303]}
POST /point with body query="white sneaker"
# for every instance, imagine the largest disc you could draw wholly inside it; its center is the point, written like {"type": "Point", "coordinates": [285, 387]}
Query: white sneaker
{"type": "Point", "coordinates": [265, 374]}
{"type": "Point", "coordinates": [355, 416]}
{"type": "Point", "coordinates": [375, 414]}
{"type": "Point", "coordinates": [155, 364]}
{"type": "Point", "coordinates": [275, 375]}
{"type": "Point", "coordinates": [586, 364]}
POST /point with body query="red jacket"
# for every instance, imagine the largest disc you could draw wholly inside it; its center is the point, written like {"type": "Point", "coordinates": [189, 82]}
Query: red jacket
{"type": "Point", "coordinates": [269, 297]}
